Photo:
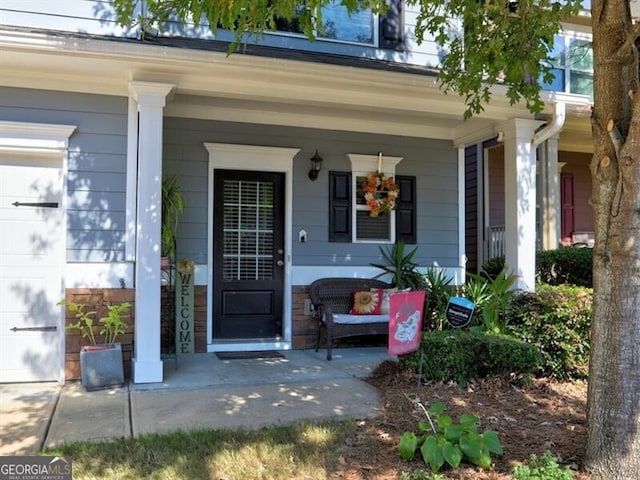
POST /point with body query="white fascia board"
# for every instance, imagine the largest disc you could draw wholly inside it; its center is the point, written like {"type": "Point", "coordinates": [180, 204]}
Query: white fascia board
{"type": "Point", "coordinates": [191, 70]}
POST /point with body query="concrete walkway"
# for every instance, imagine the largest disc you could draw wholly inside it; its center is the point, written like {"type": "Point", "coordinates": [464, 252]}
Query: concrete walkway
{"type": "Point", "coordinates": [203, 392]}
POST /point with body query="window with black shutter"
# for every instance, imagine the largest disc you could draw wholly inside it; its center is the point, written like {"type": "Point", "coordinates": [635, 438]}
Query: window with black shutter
{"type": "Point", "coordinates": [392, 26]}
{"type": "Point", "coordinates": [342, 207]}
{"type": "Point", "coordinates": [406, 210]}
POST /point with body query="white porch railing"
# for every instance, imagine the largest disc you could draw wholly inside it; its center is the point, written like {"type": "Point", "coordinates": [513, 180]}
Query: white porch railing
{"type": "Point", "coordinates": [495, 241]}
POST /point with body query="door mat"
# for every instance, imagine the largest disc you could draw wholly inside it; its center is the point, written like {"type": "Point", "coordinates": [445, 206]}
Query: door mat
{"type": "Point", "coordinates": [246, 355]}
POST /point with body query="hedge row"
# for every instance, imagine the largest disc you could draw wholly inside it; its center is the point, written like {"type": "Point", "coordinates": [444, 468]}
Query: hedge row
{"type": "Point", "coordinates": [556, 267]}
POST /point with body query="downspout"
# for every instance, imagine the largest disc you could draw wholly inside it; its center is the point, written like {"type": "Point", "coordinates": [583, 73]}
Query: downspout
{"type": "Point", "coordinates": [549, 179]}
{"type": "Point", "coordinates": [553, 127]}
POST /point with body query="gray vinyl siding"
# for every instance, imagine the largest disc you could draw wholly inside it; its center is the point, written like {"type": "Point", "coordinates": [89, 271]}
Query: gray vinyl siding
{"type": "Point", "coordinates": [96, 17]}
{"type": "Point", "coordinates": [96, 176]}
{"type": "Point", "coordinates": [433, 162]}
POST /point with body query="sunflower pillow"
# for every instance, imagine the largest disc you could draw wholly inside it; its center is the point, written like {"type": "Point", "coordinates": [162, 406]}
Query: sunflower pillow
{"type": "Point", "coordinates": [366, 302]}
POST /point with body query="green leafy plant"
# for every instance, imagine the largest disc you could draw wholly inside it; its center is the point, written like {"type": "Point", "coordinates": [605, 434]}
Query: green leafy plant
{"type": "Point", "coordinates": [544, 468]}
{"type": "Point", "coordinates": [400, 267]}
{"type": "Point", "coordinates": [477, 289]}
{"type": "Point", "coordinates": [463, 355]}
{"type": "Point", "coordinates": [112, 324]}
{"type": "Point", "coordinates": [172, 208]}
{"type": "Point", "coordinates": [500, 291]}
{"type": "Point", "coordinates": [448, 442]}
{"type": "Point", "coordinates": [556, 320]}
{"type": "Point", "coordinates": [439, 284]}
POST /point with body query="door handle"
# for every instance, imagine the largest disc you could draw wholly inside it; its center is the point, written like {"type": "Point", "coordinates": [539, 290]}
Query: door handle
{"type": "Point", "coordinates": [46, 328]}
{"type": "Point", "coordinates": [36, 204]}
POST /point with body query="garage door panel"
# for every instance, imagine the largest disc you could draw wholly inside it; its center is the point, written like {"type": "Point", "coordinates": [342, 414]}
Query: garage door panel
{"type": "Point", "coordinates": [24, 264]}
{"type": "Point", "coordinates": [32, 355]}
{"type": "Point", "coordinates": [31, 259]}
{"type": "Point", "coordinates": [31, 303]}
{"type": "Point", "coordinates": [24, 242]}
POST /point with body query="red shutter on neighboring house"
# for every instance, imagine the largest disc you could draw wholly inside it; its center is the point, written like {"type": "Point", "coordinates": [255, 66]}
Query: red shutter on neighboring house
{"type": "Point", "coordinates": [567, 214]}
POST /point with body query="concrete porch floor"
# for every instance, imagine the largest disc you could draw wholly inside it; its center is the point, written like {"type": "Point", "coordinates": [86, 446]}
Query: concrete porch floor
{"type": "Point", "coordinates": [203, 392]}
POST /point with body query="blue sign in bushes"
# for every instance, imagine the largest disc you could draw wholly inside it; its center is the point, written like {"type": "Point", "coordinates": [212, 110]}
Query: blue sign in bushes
{"type": "Point", "coordinates": [459, 311]}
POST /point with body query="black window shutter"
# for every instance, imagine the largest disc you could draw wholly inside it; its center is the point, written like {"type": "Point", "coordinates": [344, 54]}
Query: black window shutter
{"type": "Point", "coordinates": [340, 206]}
{"type": "Point", "coordinates": [392, 26]}
{"type": "Point", "coordinates": [406, 210]}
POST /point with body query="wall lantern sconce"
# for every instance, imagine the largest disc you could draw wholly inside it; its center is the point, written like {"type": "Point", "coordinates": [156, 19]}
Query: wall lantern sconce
{"type": "Point", "coordinates": [316, 164]}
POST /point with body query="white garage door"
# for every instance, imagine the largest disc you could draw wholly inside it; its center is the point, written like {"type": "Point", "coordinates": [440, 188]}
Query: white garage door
{"type": "Point", "coordinates": [30, 268]}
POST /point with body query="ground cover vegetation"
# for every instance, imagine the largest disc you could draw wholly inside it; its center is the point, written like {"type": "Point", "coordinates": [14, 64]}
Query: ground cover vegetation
{"type": "Point", "coordinates": [470, 403]}
{"type": "Point", "coordinates": [510, 44]}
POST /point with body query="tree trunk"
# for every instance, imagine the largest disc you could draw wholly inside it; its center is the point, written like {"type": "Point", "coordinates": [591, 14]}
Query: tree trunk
{"type": "Point", "coordinates": [613, 399]}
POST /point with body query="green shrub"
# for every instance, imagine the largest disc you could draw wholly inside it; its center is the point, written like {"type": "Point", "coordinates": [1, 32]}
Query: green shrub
{"type": "Point", "coordinates": [543, 468]}
{"type": "Point", "coordinates": [565, 266]}
{"type": "Point", "coordinates": [461, 355]}
{"type": "Point", "coordinates": [555, 267]}
{"type": "Point", "coordinates": [557, 320]}
{"type": "Point", "coordinates": [494, 266]}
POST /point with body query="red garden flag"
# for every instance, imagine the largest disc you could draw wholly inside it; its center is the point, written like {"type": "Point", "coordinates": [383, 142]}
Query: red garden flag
{"type": "Point", "coordinates": [405, 321]}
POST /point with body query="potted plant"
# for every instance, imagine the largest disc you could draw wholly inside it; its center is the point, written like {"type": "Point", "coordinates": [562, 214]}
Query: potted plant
{"type": "Point", "coordinates": [400, 268]}
{"type": "Point", "coordinates": [101, 364]}
{"type": "Point", "coordinates": [172, 208]}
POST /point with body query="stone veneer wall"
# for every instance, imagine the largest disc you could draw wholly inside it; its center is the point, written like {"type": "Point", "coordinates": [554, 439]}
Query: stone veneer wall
{"type": "Point", "coordinates": [96, 299]}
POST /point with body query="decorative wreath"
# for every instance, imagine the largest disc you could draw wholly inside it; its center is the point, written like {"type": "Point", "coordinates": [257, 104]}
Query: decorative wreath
{"type": "Point", "coordinates": [380, 193]}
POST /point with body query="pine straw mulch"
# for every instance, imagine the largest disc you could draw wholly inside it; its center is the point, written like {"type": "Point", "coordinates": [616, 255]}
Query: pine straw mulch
{"type": "Point", "coordinates": [542, 416]}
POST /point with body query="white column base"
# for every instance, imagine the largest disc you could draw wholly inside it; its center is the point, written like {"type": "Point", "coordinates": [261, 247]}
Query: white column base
{"type": "Point", "coordinates": [146, 371]}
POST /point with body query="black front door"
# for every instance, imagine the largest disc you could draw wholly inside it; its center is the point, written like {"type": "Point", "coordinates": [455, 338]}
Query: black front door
{"type": "Point", "coordinates": [248, 255]}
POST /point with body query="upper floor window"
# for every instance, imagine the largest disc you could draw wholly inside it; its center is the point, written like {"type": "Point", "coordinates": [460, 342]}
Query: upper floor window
{"type": "Point", "coordinates": [337, 24]}
{"type": "Point", "coordinates": [572, 65]}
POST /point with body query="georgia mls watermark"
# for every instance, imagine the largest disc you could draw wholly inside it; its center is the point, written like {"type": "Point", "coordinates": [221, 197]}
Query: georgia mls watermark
{"type": "Point", "coordinates": [35, 468]}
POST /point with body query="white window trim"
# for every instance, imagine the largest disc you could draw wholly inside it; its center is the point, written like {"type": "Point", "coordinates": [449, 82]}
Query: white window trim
{"type": "Point", "coordinates": [360, 166]}
{"type": "Point", "coordinates": [568, 36]}
{"type": "Point", "coordinates": [375, 18]}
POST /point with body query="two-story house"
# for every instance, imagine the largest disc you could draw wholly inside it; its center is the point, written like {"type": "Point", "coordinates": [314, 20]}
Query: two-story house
{"type": "Point", "coordinates": [93, 116]}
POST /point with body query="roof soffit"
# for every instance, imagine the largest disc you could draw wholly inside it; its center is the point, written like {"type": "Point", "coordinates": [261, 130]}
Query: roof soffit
{"type": "Point", "coordinates": [392, 100]}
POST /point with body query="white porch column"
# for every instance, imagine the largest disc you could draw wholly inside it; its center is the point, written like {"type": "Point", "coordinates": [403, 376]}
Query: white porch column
{"type": "Point", "coordinates": [520, 199]}
{"type": "Point", "coordinates": [146, 365]}
{"type": "Point", "coordinates": [550, 198]}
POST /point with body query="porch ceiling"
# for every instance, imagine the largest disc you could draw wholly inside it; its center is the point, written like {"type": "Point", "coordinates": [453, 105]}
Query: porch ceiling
{"type": "Point", "coordinates": [244, 88]}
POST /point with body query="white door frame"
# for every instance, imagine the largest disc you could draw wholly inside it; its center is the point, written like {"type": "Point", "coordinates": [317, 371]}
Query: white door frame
{"type": "Point", "coordinates": [263, 159]}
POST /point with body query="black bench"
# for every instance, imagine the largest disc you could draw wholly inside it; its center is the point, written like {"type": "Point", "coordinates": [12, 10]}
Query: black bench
{"type": "Point", "coordinates": [331, 296]}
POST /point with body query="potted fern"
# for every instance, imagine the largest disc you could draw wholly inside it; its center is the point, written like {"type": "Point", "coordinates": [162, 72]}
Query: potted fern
{"type": "Point", "coordinates": [101, 364]}
{"type": "Point", "coordinates": [172, 208]}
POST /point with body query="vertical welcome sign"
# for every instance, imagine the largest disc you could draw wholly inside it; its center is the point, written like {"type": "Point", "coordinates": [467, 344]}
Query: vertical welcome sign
{"type": "Point", "coordinates": [184, 307]}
